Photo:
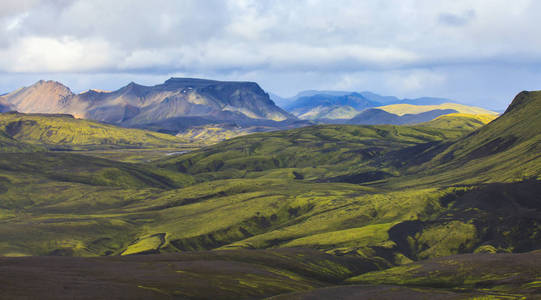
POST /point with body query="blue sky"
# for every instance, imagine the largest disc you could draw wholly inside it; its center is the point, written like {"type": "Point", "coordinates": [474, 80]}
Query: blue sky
{"type": "Point", "coordinates": [477, 52]}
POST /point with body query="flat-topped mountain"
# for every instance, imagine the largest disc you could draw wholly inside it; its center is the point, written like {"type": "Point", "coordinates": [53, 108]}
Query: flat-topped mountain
{"type": "Point", "coordinates": [176, 101]}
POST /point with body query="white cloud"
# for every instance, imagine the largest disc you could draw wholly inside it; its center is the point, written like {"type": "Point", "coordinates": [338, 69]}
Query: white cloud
{"type": "Point", "coordinates": [38, 54]}
{"type": "Point", "coordinates": [408, 45]}
{"type": "Point", "coordinates": [415, 80]}
{"type": "Point", "coordinates": [317, 35]}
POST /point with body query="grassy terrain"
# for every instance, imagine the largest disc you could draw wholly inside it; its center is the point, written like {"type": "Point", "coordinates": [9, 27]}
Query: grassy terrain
{"type": "Point", "coordinates": [403, 109]}
{"type": "Point", "coordinates": [506, 150]}
{"type": "Point", "coordinates": [461, 121]}
{"type": "Point", "coordinates": [49, 202]}
{"type": "Point", "coordinates": [316, 152]}
{"type": "Point", "coordinates": [383, 196]}
{"type": "Point", "coordinates": [340, 189]}
{"type": "Point", "coordinates": [139, 155]}
{"type": "Point", "coordinates": [66, 132]}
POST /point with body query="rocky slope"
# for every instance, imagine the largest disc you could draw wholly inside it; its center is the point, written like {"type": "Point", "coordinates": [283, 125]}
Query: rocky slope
{"type": "Point", "coordinates": [176, 101]}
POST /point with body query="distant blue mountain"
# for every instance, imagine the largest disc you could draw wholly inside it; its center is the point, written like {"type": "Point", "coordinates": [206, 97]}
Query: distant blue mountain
{"type": "Point", "coordinates": [376, 116]}
{"type": "Point", "coordinates": [354, 100]}
{"type": "Point", "coordinates": [340, 105]}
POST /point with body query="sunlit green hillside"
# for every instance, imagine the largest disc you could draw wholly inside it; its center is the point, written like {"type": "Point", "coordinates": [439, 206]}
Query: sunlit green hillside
{"type": "Point", "coordinates": [506, 150]}
{"type": "Point", "coordinates": [403, 109]}
{"type": "Point", "coordinates": [64, 131]}
{"type": "Point", "coordinates": [322, 152]}
{"type": "Point", "coordinates": [382, 195]}
{"type": "Point", "coordinates": [461, 121]}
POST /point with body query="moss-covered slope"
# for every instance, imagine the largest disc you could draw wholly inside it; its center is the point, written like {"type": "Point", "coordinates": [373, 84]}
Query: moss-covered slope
{"type": "Point", "coordinates": [66, 132]}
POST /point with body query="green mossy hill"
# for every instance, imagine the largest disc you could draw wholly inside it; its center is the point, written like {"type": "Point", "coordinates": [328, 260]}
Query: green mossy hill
{"type": "Point", "coordinates": [61, 203]}
{"type": "Point", "coordinates": [340, 189]}
{"type": "Point", "coordinates": [466, 122]}
{"type": "Point", "coordinates": [403, 109]}
{"type": "Point", "coordinates": [38, 168]}
{"type": "Point", "coordinates": [505, 150]}
{"type": "Point", "coordinates": [325, 152]}
{"type": "Point", "coordinates": [383, 195]}
{"type": "Point", "coordinates": [66, 132]}
{"type": "Point", "coordinates": [8, 144]}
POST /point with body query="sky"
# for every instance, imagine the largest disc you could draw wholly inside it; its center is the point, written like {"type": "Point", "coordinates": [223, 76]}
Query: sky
{"type": "Point", "coordinates": [480, 52]}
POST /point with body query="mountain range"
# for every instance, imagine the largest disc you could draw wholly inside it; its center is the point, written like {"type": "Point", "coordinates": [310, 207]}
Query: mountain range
{"type": "Point", "coordinates": [285, 102]}
{"type": "Point", "coordinates": [448, 207]}
{"type": "Point", "coordinates": [177, 103]}
{"type": "Point", "coordinates": [368, 108]}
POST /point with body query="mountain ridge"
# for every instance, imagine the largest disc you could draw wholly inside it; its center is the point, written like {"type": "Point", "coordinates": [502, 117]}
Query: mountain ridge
{"type": "Point", "coordinates": [137, 105]}
{"type": "Point", "coordinates": [409, 199]}
{"type": "Point", "coordinates": [340, 107]}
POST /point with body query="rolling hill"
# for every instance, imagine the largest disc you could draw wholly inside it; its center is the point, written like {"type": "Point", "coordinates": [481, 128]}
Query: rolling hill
{"type": "Point", "coordinates": [376, 116]}
{"type": "Point", "coordinates": [66, 132]}
{"type": "Point", "coordinates": [400, 114]}
{"type": "Point", "coordinates": [460, 121]}
{"type": "Point", "coordinates": [371, 109]}
{"type": "Point", "coordinates": [404, 109]}
{"type": "Point", "coordinates": [387, 204]}
{"type": "Point", "coordinates": [505, 150]}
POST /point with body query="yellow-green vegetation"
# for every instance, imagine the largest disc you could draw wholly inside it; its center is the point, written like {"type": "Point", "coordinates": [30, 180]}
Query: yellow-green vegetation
{"type": "Point", "coordinates": [403, 109]}
{"type": "Point", "coordinates": [460, 121]}
{"type": "Point", "coordinates": [338, 188]}
{"type": "Point", "coordinates": [366, 236]}
{"type": "Point", "coordinates": [383, 195]}
{"type": "Point", "coordinates": [316, 152]}
{"type": "Point", "coordinates": [140, 155]}
{"type": "Point", "coordinates": [508, 149]}
{"type": "Point", "coordinates": [66, 132]}
{"type": "Point", "coordinates": [147, 244]}
{"type": "Point", "coordinates": [446, 239]}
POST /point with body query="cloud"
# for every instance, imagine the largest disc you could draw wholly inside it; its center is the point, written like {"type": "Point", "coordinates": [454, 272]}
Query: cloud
{"type": "Point", "coordinates": [35, 54]}
{"type": "Point", "coordinates": [408, 45]}
{"type": "Point", "coordinates": [457, 19]}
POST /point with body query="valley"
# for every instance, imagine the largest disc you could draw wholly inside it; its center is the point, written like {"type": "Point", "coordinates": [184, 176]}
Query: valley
{"type": "Point", "coordinates": [328, 208]}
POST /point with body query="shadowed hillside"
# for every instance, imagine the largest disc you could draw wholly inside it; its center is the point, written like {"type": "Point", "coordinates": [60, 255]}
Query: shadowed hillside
{"type": "Point", "coordinates": [507, 149]}
{"type": "Point", "coordinates": [380, 196]}
{"type": "Point", "coordinates": [316, 152]}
